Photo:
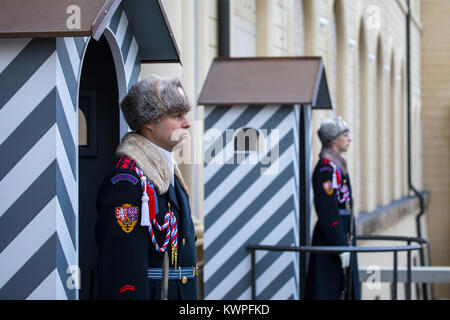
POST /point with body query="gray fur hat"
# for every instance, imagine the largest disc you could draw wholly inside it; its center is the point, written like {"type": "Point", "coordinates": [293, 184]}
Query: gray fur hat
{"type": "Point", "coordinates": [153, 98]}
{"type": "Point", "coordinates": [330, 129]}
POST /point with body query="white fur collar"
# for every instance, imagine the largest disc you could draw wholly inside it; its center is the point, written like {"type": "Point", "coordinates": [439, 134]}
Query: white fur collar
{"type": "Point", "coordinates": [335, 157]}
{"type": "Point", "coordinates": [149, 159]}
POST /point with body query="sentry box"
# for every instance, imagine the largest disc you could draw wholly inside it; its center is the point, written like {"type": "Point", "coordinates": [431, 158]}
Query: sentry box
{"type": "Point", "coordinates": [257, 171]}
{"type": "Point", "coordinates": [64, 67]}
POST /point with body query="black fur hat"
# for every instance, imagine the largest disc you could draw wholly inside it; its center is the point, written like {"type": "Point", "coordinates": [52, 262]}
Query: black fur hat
{"type": "Point", "coordinates": [153, 98]}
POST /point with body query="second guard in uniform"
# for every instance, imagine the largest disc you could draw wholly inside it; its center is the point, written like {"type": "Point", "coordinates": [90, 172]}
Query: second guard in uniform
{"type": "Point", "coordinates": [144, 231]}
{"type": "Point", "coordinates": [333, 276]}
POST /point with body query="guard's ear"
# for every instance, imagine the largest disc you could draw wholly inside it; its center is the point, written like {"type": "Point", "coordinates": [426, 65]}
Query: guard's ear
{"type": "Point", "coordinates": [148, 126]}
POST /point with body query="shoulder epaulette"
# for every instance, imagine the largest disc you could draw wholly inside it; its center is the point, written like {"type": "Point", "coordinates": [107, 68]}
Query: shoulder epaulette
{"type": "Point", "coordinates": [126, 163]}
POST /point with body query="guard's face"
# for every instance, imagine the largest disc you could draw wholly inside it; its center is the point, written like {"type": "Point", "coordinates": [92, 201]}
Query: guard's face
{"type": "Point", "coordinates": [343, 142]}
{"type": "Point", "coordinates": [170, 130]}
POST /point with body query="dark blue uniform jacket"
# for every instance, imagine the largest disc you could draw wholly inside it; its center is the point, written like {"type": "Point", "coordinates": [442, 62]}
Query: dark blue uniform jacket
{"type": "Point", "coordinates": [325, 275]}
{"type": "Point", "coordinates": [124, 257]}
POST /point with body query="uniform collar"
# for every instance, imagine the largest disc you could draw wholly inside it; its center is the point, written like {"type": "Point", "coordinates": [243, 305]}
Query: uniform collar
{"type": "Point", "coordinates": [169, 158]}
{"type": "Point", "coordinates": [151, 160]}
{"type": "Point", "coordinates": [335, 157]}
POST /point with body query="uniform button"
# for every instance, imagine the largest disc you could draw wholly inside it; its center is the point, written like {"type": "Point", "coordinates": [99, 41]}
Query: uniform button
{"type": "Point", "coordinates": [184, 280]}
{"type": "Point", "coordinates": [184, 241]}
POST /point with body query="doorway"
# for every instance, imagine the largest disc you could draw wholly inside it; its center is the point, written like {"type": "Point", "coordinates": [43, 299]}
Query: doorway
{"type": "Point", "coordinates": [98, 128]}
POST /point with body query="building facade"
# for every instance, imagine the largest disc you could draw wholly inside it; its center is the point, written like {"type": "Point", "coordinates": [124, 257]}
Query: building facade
{"type": "Point", "coordinates": [363, 44]}
{"type": "Point", "coordinates": [436, 134]}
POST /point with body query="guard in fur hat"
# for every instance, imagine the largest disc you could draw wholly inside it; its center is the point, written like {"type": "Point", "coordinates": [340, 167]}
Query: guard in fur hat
{"type": "Point", "coordinates": [333, 276]}
{"type": "Point", "coordinates": [144, 230]}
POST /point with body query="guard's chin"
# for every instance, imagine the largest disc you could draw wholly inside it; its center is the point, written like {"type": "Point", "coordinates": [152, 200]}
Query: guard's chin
{"type": "Point", "coordinates": [180, 143]}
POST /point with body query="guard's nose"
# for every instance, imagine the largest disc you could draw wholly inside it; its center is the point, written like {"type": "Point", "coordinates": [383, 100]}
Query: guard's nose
{"type": "Point", "coordinates": [186, 124]}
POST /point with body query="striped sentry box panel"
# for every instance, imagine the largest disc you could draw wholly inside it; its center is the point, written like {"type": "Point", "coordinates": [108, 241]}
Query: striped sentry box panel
{"type": "Point", "coordinates": [129, 66]}
{"type": "Point", "coordinates": [39, 147]}
{"type": "Point", "coordinates": [244, 206]}
{"type": "Point", "coordinates": [38, 180]}
{"type": "Point", "coordinates": [126, 56]}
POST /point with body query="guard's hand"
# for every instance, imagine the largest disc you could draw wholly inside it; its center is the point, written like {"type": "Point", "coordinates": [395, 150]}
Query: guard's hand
{"type": "Point", "coordinates": [345, 259]}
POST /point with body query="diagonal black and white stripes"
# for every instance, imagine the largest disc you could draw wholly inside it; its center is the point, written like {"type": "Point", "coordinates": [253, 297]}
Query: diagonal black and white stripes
{"type": "Point", "coordinates": [38, 187]}
{"type": "Point", "coordinates": [128, 45]}
{"type": "Point", "coordinates": [39, 147]}
{"type": "Point", "coordinates": [243, 206]}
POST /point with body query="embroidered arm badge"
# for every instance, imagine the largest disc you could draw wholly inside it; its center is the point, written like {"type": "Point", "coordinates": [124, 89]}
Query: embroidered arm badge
{"type": "Point", "coordinates": [328, 187]}
{"type": "Point", "coordinates": [126, 217]}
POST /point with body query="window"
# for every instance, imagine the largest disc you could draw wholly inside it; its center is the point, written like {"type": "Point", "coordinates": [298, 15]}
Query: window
{"type": "Point", "coordinates": [82, 129]}
{"type": "Point", "coordinates": [87, 123]}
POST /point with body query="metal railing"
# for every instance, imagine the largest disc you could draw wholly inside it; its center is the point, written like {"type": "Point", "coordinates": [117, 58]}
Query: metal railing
{"type": "Point", "coordinates": [408, 248]}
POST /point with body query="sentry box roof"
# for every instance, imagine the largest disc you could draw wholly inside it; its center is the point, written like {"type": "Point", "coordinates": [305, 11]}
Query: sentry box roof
{"type": "Point", "coordinates": [267, 80]}
{"type": "Point", "coordinates": [49, 18]}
